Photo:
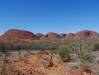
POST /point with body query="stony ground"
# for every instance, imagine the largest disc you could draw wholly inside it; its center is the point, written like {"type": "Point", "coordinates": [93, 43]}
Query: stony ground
{"type": "Point", "coordinates": [37, 64]}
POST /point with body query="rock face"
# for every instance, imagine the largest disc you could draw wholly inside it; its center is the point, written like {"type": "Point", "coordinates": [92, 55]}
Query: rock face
{"type": "Point", "coordinates": [53, 35]}
{"type": "Point", "coordinates": [79, 35]}
{"type": "Point", "coordinates": [22, 35]}
{"type": "Point", "coordinates": [86, 34]}
{"type": "Point", "coordinates": [63, 35]}
{"type": "Point", "coordinates": [18, 35]}
{"type": "Point", "coordinates": [39, 34]}
{"type": "Point", "coordinates": [70, 35]}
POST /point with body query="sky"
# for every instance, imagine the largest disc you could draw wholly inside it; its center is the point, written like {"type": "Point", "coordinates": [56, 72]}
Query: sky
{"type": "Point", "coordinates": [61, 16]}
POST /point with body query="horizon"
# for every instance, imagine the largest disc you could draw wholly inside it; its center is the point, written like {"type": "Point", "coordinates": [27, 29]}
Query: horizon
{"type": "Point", "coordinates": [50, 32]}
{"type": "Point", "coordinates": [41, 16]}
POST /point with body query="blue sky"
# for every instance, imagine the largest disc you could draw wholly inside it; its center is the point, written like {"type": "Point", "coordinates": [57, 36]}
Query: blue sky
{"type": "Point", "coordinates": [44, 16]}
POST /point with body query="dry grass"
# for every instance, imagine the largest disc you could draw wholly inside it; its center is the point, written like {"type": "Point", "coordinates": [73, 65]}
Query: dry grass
{"type": "Point", "coordinates": [37, 64]}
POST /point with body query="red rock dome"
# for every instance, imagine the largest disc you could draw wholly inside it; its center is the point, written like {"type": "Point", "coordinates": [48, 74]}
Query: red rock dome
{"type": "Point", "coordinates": [53, 35]}
{"type": "Point", "coordinates": [18, 35]}
{"type": "Point", "coordinates": [86, 34]}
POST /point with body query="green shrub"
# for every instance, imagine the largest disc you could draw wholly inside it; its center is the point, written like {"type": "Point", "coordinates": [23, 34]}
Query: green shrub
{"type": "Point", "coordinates": [87, 58]}
{"type": "Point", "coordinates": [96, 46]}
{"type": "Point", "coordinates": [2, 46]}
{"type": "Point", "coordinates": [64, 54]}
{"type": "Point", "coordinates": [86, 67]}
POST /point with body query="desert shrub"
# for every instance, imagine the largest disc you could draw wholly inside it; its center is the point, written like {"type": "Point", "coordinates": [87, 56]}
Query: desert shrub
{"type": "Point", "coordinates": [96, 46]}
{"type": "Point", "coordinates": [43, 45]}
{"type": "Point", "coordinates": [87, 58]}
{"type": "Point", "coordinates": [7, 46]}
{"type": "Point", "coordinates": [73, 65]}
{"type": "Point", "coordinates": [64, 54]}
{"type": "Point", "coordinates": [97, 60]}
{"type": "Point", "coordinates": [87, 67]}
{"type": "Point", "coordinates": [82, 49]}
{"type": "Point", "coordinates": [55, 40]}
{"type": "Point", "coordinates": [5, 49]}
{"type": "Point", "coordinates": [35, 45]}
{"type": "Point", "coordinates": [2, 47]}
{"type": "Point", "coordinates": [84, 53]}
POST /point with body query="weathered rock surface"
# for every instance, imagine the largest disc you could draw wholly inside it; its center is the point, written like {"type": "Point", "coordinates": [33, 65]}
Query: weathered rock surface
{"type": "Point", "coordinates": [70, 35]}
{"type": "Point", "coordinates": [53, 35]}
{"type": "Point", "coordinates": [79, 35]}
{"type": "Point", "coordinates": [22, 35]}
{"type": "Point", "coordinates": [18, 35]}
{"type": "Point", "coordinates": [86, 34]}
{"type": "Point", "coordinates": [39, 34]}
{"type": "Point", "coordinates": [63, 35]}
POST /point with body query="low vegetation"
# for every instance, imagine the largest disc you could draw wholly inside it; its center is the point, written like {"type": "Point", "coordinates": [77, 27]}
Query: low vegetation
{"type": "Point", "coordinates": [82, 48]}
{"type": "Point", "coordinates": [65, 54]}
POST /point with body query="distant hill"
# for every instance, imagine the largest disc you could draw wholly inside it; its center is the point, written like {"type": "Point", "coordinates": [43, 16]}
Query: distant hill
{"type": "Point", "coordinates": [18, 35]}
{"type": "Point", "coordinates": [26, 36]}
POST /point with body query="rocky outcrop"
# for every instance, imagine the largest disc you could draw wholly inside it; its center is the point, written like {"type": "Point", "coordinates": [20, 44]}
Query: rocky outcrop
{"type": "Point", "coordinates": [39, 34]}
{"type": "Point", "coordinates": [22, 35]}
{"type": "Point", "coordinates": [83, 34]}
{"type": "Point", "coordinates": [70, 35]}
{"type": "Point", "coordinates": [18, 35]}
{"type": "Point", "coordinates": [86, 34]}
{"type": "Point", "coordinates": [53, 35]}
{"type": "Point", "coordinates": [63, 35]}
